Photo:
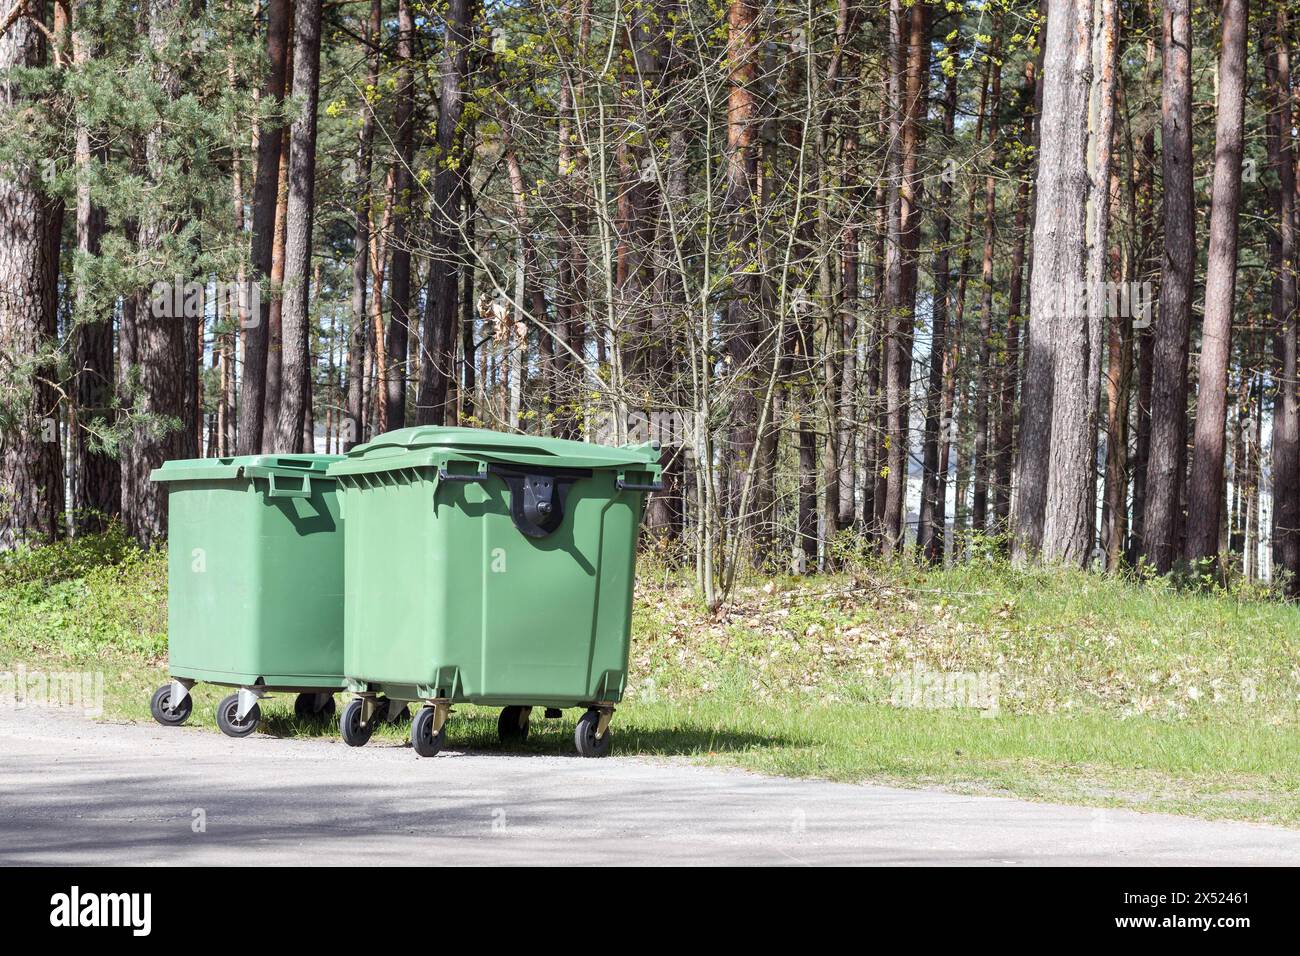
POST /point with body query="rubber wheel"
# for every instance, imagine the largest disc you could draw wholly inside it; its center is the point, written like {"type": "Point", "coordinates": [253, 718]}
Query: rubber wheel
{"type": "Point", "coordinates": [305, 707]}
{"type": "Point", "coordinates": [512, 725]}
{"type": "Point", "coordinates": [423, 739]}
{"type": "Point", "coordinates": [584, 737]}
{"type": "Point", "coordinates": [158, 706]}
{"type": "Point", "coordinates": [230, 726]}
{"type": "Point", "coordinates": [355, 735]}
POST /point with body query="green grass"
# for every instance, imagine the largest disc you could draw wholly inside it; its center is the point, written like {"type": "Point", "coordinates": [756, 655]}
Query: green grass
{"type": "Point", "coordinates": [1061, 686]}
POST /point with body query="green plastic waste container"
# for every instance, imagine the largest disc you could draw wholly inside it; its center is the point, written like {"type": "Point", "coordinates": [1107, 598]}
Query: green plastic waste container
{"type": "Point", "coordinates": [254, 585]}
{"type": "Point", "coordinates": [490, 569]}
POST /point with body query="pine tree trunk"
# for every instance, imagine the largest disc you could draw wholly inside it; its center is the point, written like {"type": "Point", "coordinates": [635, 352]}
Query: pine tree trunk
{"type": "Point", "coordinates": [1165, 462]}
{"type": "Point", "coordinates": [1059, 335]}
{"type": "Point", "coordinates": [985, 393]}
{"type": "Point", "coordinates": [252, 398]}
{"type": "Point", "coordinates": [1286, 406]}
{"type": "Point", "coordinates": [296, 356]}
{"type": "Point", "coordinates": [442, 310]}
{"type": "Point", "coordinates": [1206, 488]}
{"type": "Point", "coordinates": [914, 62]}
{"type": "Point", "coordinates": [929, 529]}
{"type": "Point", "coordinates": [275, 317]}
{"type": "Point", "coordinates": [956, 400]}
{"type": "Point", "coordinates": [1145, 348]}
{"type": "Point", "coordinates": [31, 457]}
{"type": "Point", "coordinates": [157, 352]}
{"type": "Point", "coordinates": [96, 485]}
{"type": "Point", "coordinates": [399, 282]}
{"type": "Point", "coordinates": [1010, 372]}
{"type": "Point", "coordinates": [743, 323]}
{"type": "Point", "coordinates": [352, 430]}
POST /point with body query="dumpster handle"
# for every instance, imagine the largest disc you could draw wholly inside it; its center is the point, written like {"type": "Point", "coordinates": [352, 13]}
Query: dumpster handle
{"type": "Point", "coordinates": [478, 477]}
{"type": "Point", "coordinates": [624, 485]}
{"type": "Point", "coordinates": [303, 492]}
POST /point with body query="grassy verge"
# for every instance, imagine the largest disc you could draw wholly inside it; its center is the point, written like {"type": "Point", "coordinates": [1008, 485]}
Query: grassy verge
{"type": "Point", "coordinates": [1046, 685]}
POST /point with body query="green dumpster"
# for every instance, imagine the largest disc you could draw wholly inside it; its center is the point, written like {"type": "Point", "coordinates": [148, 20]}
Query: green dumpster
{"type": "Point", "coordinates": [254, 585]}
{"type": "Point", "coordinates": [490, 569]}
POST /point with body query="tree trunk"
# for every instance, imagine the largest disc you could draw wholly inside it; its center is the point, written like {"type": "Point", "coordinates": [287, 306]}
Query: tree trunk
{"type": "Point", "coordinates": [252, 405]}
{"type": "Point", "coordinates": [441, 308]}
{"type": "Point", "coordinates": [1101, 126]}
{"type": "Point", "coordinates": [1173, 326]}
{"type": "Point", "coordinates": [275, 317]}
{"type": "Point", "coordinates": [901, 291]}
{"type": "Point", "coordinates": [399, 282]}
{"type": "Point", "coordinates": [984, 396]}
{"type": "Point", "coordinates": [853, 189]}
{"type": "Point", "coordinates": [743, 324]}
{"type": "Point", "coordinates": [1010, 372]}
{"type": "Point", "coordinates": [1057, 326]}
{"type": "Point", "coordinates": [929, 529]}
{"type": "Point", "coordinates": [352, 430]}
{"type": "Point", "coordinates": [1286, 405]}
{"type": "Point", "coordinates": [31, 457]}
{"type": "Point", "coordinates": [1145, 342]}
{"type": "Point", "coordinates": [956, 400]}
{"type": "Point", "coordinates": [158, 353]}
{"type": "Point", "coordinates": [96, 485]}
{"type": "Point", "coordinates": [298, 228]}
{"type": "Point", "coordinates": [1205, 488]}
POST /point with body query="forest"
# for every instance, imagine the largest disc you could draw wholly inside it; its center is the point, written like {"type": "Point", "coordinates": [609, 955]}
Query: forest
{"type": "Point", "coordinates": [936, 281]}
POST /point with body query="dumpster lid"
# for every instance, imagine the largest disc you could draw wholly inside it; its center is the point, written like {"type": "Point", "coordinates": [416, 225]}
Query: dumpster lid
{"type": "Point", "coordinates": [422, 444]}
{"type": "Point", "coordinates": [242, 466]}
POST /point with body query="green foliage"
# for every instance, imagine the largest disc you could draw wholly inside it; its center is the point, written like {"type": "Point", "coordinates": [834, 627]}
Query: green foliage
{"type": "Point", "coordinates": [41, 567]}
{"type": "Point", "coordinates": [94, 599]}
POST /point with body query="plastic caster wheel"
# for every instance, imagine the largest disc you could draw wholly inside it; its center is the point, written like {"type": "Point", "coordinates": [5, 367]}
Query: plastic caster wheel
{"type": "Point", "coordinates": [354, 734]}
{"type": "Point", "coordinates": [229, 724]}
{"type": "Point", "coordinates": [313, 707]}
{"type": "Point", "coordinates": [585, 739]}
{"type": "Point", "coordinates": [160, 706]}
{"type": "Point", "coordinates": [423, 739]}
{"type": "Point", "coordinates": [512, 725]}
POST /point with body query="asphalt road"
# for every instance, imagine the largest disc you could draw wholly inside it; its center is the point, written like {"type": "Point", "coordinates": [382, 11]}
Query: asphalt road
{"type": "Point", "coordinates": [74, 791]}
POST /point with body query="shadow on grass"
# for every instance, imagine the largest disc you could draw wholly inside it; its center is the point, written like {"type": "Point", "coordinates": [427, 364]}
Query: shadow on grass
{"type": "Point", "coordinates": [549, 737]}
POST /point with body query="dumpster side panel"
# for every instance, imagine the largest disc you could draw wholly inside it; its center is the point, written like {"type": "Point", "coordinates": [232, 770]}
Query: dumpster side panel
{"type": "Point", "coordinates": [612, 639]}
{"type": "Point", "coordinates": [300, 595]}
{"type": "Point", "coordinates": [213, 564]}
{"type": "Point", "coordinates": [392, 586]}
{"type": "Point", "coordinates": [554, 609]}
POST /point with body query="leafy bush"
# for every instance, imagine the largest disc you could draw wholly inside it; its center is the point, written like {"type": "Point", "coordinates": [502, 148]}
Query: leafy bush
{"type": "Point", "coordinates": [83, 599]}
{"type": "Point", "coordinates": [64, 560]}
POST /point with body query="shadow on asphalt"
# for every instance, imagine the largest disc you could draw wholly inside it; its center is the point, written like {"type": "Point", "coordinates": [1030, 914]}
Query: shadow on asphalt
{"type": "Point", "coordinates": [549, 738]}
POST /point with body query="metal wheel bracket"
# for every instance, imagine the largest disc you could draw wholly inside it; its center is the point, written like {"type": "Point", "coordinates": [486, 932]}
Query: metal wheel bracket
{"type": "Point", "coordinates": [321, 701]}
{"type": "Point", "coordinates": [180, 689]}
{"type": "Point", "coordinates": [441, 708]}
{"type": "Point", "coordinates": [602, 725]}
{"type": "Point", "coordinates": [248, 699]}
{"type": "Point", "coordinates": [524, 714]}
{"type": "Point", "coordinates": [369, 707]}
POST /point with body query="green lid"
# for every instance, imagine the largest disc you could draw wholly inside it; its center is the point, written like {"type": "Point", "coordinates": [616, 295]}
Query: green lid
{"type": "Point", "coordinates": [425, 445]}
{"type": "Point", "coordinates": [243, 466]}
